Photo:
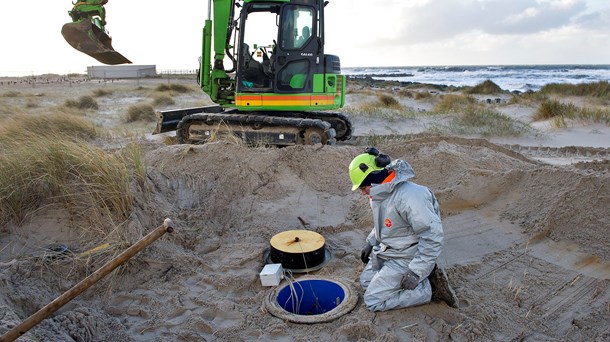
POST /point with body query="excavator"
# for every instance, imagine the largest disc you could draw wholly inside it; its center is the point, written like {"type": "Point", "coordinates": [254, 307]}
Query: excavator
{"type": "Point", "coordinates": [262, 64]}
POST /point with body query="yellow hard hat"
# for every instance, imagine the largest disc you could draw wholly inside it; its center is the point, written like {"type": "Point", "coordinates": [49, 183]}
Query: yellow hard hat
{"type": "Point", "coordinates": [360, 167]}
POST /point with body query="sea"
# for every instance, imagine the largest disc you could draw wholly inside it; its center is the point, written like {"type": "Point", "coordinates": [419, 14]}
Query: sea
{"type": "Point", "coordinates": [520, 78]}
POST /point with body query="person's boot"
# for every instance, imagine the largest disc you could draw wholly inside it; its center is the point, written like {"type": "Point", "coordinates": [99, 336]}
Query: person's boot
{"type": "Point", "coordinates": [441, 290]}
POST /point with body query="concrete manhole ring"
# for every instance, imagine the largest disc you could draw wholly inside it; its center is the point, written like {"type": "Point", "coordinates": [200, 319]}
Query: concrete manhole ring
{"type": "Point", "coordinates": [311, 300]}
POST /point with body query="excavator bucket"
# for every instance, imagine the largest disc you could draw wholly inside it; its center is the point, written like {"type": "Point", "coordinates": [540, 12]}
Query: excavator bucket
{"type": "Point", "coordinates": [87, 38]}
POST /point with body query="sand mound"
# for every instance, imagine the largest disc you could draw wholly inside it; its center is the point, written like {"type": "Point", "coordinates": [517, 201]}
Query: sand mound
{"type": "Point", "coordinates": [227, 201]}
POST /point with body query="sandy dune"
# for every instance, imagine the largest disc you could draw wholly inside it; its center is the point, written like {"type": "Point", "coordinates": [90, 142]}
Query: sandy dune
{"type": "Point", "coordinates": [526, 226]}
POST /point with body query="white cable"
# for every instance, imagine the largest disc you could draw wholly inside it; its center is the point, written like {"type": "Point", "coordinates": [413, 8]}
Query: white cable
{"type": "Point", "coordinates": [294, 297]}
{"type": "Point", "coordinates": [317, 307]}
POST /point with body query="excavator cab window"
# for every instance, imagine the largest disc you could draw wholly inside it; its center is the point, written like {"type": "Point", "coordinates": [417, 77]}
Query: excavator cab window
{"type": "Point", "coordinates": [297, 48]}
{"type": "Point", "coordinates": [293, 76]}
{"type": "Point", "coordinates": [258, 34]}
{"type": "Point", "coordinates": [298, 26]}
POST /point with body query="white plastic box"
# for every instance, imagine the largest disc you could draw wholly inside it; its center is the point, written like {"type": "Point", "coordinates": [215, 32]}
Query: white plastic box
{"type": "Point", "coordinates": [272, 274]}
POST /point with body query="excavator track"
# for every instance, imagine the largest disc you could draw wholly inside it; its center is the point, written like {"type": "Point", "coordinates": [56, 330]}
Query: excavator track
{"type": "Point", "coordinates": [338, 121]}
{"type": "Point", "coordinates": [255, 129]}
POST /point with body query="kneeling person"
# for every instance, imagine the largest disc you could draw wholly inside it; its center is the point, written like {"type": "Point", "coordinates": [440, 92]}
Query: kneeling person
{"type": "Point", "coordinates": [407, 238]}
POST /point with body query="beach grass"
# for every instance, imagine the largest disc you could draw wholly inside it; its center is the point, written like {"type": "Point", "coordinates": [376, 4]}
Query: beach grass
{"type": "Point", "coordinates": [100, 92]}
{"type": "Point", "coordinates": [454, 103]}
{"type": "Point", "coordinates": [486, 87]}
{"type": "Point", "coordinates": [53, 161]}
{"type": "Point", "coordinates": [7, 109]}
{"type": "Point", "coordinates": [32, 103]}
{"type": "Point", "coordinates": [422, 95]}
{"type": "Point", "coordinates": [385, 139]}
{"type": "Point", "coordinates": [599, 89]}
{"type": "Point", "coordinates": [140, 112]}
{"type": "Point", "coordinates": [469, 117]}
{"type": "Point", "coordinates": [485, 122]}
{"type": "Point", "coordinates": [83, 102]}
{"type": "Point", "coordinates": [387, 100]}
{"type": "Point", "coordinates": [21, 128]}
{"type": "Point", "coordinates": [552, 108]}
{"type": "Point", "coordinates": [11, 93]}
{"type": "Point", "coordinates": [529, 98]}
{"type": "Point", "coordinates": [162, 99]}
{"type": "Point", "coordinates": [175, 87]}
{"type": "Point", "coordinates": [408, 93]}
{"type": "Point", "coordinates": [558, 111]}
{"type": "Point", "coordinates": [384, 107]}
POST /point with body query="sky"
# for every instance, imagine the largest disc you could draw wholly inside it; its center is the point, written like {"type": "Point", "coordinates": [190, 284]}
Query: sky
{"type": "Point", "coordinates": [362, 33]}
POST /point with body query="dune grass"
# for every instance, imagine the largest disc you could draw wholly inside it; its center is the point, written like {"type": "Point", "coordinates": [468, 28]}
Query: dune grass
{"type": "Point", "coordinates": [406, 93]}
{"type": "Point", "coordinates": [470, 117]}
{"type": "Point", "coordinates": [384, 107]}
{"type": "Point", "coordinates": [454, 103]}
{"type": "Point", "coordinates": [599, 89]}
{"type": "Point", "coordinates": [140, 112]}
{"type": "Point", "coordinates": [134, 156]}
{"type": "Point", "coordinates": [162, 99]}
{"type": "Point", "coordinates": [489, 122]}
{"type": "Point", "coordinates": [15, 102]}
{"type": "Point", "coordinates": [100, 92]}
{"type": "Point", "coordinates": [21, 128]}
{"type": "Point", "coordinates": [559, 112]}
{"type": "Point", "coordinates": [596, 90]}
{"type": "Point", "coordinates": [31, 103]}
{"type": "Point", "coordinates": [480, 121]}
{"type": "Point", "coordinates": [528, 98]}
{"type": "Point", "coordinates": [58, 164]}
{"type": "Point", "coordinates": [422, 95]}
{"type": "Point", "coordinates": [551, 108]}
{"type": "Point", "coordinates": [486, 87]}
{"type": "Point", "coordinates": [389, 101]}
{"type": "Point", "coordinates": [83, 102]}
{"type": "Point", "coordinates": [11, 93]}
{"type": "Point", "coordinates": [376, 110]}
{"type": "Point", "coordinates": [385, 139]}
{"type": "Point", "coordinates": [7, 110]}
{"type": "Point", "coordinates": [178, 88]}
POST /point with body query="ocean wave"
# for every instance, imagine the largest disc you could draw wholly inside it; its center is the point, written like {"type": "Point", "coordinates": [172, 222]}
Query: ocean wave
{"type": "Point", "coordinates": [519, 77]}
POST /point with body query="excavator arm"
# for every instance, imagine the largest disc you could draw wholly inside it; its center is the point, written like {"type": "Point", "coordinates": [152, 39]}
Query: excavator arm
{"type": "Point", "coordinates": [217, 33]}
{"type": "Point", "coordinates": [87, 32]}
{"type": "Point", "coordinates": [90, 9]}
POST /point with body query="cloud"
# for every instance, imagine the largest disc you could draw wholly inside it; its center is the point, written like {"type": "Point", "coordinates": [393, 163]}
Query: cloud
{"type": "Point", "coordinates": [597, 21]}
{"type": "Point", "coordinates": [437, 21]}
{"type": "Point", "coordinates": [488, 32]}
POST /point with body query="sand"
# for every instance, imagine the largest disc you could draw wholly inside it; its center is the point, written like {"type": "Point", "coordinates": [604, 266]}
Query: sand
{"type": "Point", "coordinates": [527, 244]}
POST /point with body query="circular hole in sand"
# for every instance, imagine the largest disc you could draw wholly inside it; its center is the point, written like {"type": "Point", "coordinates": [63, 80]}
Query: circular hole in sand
{"type": "Point", "coordinates": [311, 300]}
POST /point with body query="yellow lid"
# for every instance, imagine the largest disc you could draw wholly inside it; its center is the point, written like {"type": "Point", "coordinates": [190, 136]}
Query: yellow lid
{"type": "Point", "coordinates": [297, 241]}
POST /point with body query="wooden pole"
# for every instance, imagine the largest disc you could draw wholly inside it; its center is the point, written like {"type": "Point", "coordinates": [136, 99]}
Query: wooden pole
{"type": "Point", "coordinates": [77, 289]}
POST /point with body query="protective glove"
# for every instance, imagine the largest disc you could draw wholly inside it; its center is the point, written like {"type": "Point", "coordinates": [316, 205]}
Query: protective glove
{"type": "Point", "coordinates": [409, 280]}
{"type": "Point", "coordinates": [366, 253]}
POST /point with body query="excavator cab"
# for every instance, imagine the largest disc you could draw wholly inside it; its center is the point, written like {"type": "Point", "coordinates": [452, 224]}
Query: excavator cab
{"type": "Point", "coordinates": [87, 34]}
{"type": "Point", "coordinates": [280, 63]}
{"type": "Point", "coordinates": [286, 55]}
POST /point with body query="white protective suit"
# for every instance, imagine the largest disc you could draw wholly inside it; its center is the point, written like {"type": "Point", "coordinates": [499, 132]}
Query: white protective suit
{"type": "Point", "coordinates": [407, 234]}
